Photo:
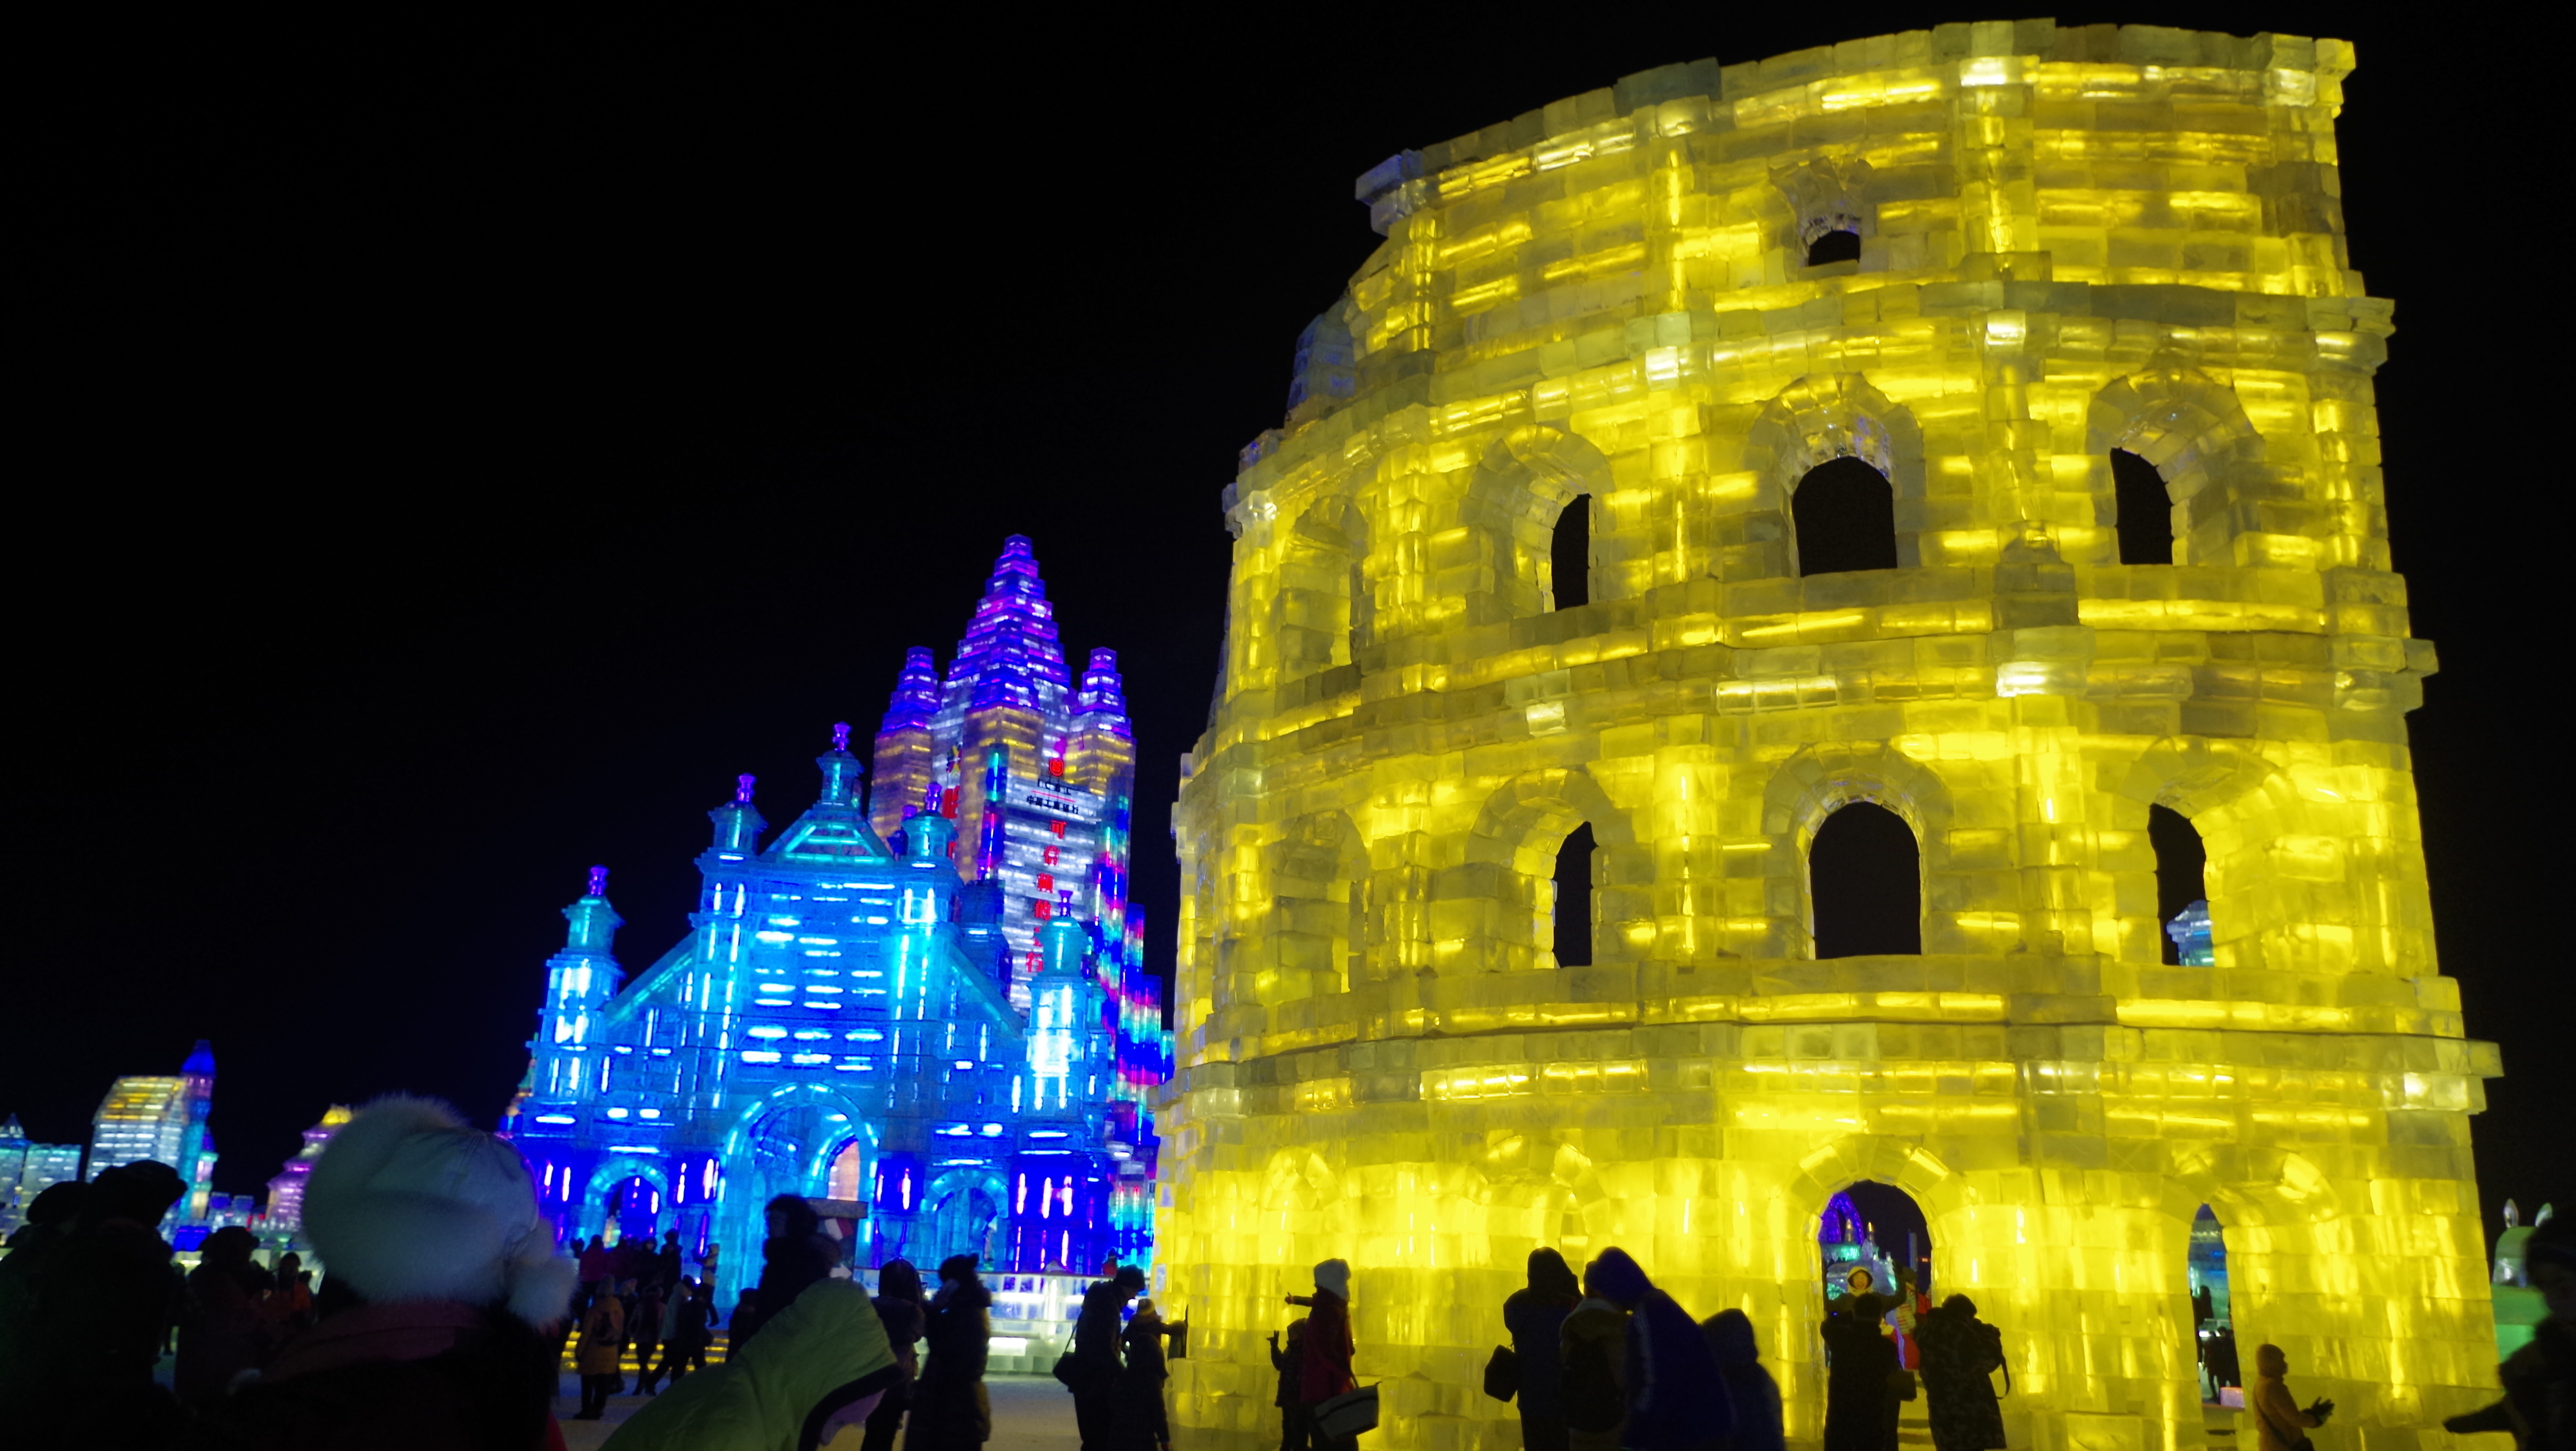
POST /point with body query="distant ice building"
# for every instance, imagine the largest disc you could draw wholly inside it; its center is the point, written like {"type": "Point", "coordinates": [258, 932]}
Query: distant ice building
{"type": "Point", "coordinates": [28, 1169]}
{"type": "Point", "coordinates": [285, 1212]}
{"type": "Point", "coordinates": [931, 1003]}
{"type": "Point", "coordinates": [164, 1118]}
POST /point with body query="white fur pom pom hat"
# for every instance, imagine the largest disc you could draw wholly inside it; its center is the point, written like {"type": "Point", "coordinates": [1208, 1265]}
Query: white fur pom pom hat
{"type": "Point", "coordinates": [408, 1202]}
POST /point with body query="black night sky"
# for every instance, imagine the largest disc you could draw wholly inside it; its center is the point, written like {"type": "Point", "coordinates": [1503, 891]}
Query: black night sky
{"type": "Point", "coordinates": [449, 452]}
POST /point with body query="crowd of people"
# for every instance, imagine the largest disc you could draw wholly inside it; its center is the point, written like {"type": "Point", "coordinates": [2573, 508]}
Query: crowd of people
{"type": "Point", "coordinates": [440, 1325]}
{"type": "Point", "coordinates": [446, 1310]}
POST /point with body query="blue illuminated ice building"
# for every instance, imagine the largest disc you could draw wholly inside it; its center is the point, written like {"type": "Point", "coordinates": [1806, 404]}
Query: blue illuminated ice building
{"type": "Point", "coordinates": [932, 1002]}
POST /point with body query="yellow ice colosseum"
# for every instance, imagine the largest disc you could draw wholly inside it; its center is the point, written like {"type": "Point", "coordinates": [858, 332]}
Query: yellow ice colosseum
{"type": "Point", "coordinates": [1952, 450]}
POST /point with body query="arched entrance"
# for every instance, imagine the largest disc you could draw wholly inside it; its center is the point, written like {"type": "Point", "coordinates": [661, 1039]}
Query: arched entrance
{"type": "Point", "coordinates": [1874, 1254]}
{"type": "Point", "coordinates": [2212, 1311]}
{"type": "Point", "coordinates": [962, 1215]}
{"type": "Point", "coordinates": [633, 1209]}
{"type": "Point", "coordinates": [800, 1141]}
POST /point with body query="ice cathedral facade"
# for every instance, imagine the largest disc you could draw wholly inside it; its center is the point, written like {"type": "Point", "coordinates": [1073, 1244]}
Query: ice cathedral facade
{"type": "Point", "coordinates": [931, 1003]}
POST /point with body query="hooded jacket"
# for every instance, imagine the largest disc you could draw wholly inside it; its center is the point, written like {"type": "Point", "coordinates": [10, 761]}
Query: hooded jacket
{"type": "Point", "coordinates": [818, 1364]}
{"type": "Point", "coordinates": [1535, 1316]}
{"type": "Point", "coordinates": [1749, 1385]}
{"type": "Point", "coordinates": [1676, 1398]}
{"type": "Point", "coordinates": [1329, 1348]}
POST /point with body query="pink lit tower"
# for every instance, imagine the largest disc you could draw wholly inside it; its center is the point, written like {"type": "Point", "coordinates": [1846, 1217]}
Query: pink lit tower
{"type": "Point", "coordinates": [1038, 775]}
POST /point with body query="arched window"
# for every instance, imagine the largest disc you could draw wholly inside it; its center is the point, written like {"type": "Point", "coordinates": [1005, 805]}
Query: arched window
{"type": "Point", "coordinates": [2182, 889]}
{"type": "Point", "coordinates": [1570, 554]}
{"type": "Point", "coordinates": [1845, 517]}
{"type": "Point", "coordinates": [1574, 898]}
{"type": "Point", "coordinates": [1864, 877]}
{"type": "Point", "coordinates": [1838, 245]}
{"type": "Point", "coordinates": [2213, 1315]}
{"type": "Point", "coordinates": [2145, 510]}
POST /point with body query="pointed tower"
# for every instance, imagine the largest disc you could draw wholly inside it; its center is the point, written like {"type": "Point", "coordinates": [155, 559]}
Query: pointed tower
{"type": "Point", "coordinates": [1037, 775]}
{"type": "Point", "coordinates": [580, 980]}
{"type": "Point", "coordinates": [906, 749]}
{"type": "Point", "coordinates": [196, 1163]}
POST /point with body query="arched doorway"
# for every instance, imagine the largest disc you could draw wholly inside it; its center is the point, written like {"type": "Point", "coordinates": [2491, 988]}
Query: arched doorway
{"type": "Point", "coordinates": [962, 1215]}
{"type": "Point", "coordinates": [796, 1143]}
{"type": "Point", "coordinates": [1874, 1254]}
{"type": "Point", "coordinates": [633, 1210]}
{"type": "Point", "coordinates": [2212, 1312]}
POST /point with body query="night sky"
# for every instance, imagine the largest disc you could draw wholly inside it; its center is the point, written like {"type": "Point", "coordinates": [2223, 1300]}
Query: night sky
{"type": "Point", "coordinates": [448, 455]}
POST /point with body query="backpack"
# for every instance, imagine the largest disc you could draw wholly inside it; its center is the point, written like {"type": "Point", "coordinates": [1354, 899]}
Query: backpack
{"type": "Point", "coordinates": [1590, 1390]}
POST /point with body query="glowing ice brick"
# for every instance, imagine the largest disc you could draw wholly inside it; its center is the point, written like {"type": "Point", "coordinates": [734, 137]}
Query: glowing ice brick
{"type": "Point", "coordinates": [1831, 356]}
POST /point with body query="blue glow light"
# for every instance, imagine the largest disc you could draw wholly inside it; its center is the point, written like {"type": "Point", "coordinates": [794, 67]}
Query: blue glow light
{"type": "Point", "coordinates": [974, 901]}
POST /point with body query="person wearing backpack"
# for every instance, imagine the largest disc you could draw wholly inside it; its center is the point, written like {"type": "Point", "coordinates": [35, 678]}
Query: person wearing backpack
{"type": "Point", "coordinates": [1591, 1349]}
{"type": "Point", "coordinates": [1677, 1399]}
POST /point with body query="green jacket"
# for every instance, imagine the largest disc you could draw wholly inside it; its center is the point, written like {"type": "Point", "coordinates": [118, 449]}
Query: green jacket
{"type": "Point", "coordinates": [823, 1353]}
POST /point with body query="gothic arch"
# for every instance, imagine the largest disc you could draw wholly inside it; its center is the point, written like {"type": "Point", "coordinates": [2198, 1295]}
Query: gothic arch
{"type": "Point", "coordinates": [1520, 487]}
{"type": "Point", "coordinates": [2192, 428]}
{"type": "Point", "coordinates": [1491, 910]}
{"type": "Point", "coordinates": [1819, 418]}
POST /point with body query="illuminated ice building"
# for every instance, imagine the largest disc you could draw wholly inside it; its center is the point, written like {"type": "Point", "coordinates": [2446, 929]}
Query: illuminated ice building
{"type": "Point", "coordinates": [934, 1003]}
{"type": "Point", "coordinates": [1778, 583]}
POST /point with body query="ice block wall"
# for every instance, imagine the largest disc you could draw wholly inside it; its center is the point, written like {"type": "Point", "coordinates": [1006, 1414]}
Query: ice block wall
{"type": "Point", "coordinates": [1980, 264]}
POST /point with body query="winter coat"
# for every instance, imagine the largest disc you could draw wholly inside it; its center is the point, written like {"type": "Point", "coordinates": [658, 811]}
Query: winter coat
{"type": "Point", "coordinates": [1327, 1369]}
{"type": "Point", "coordinates": [1677, 1401]}
{"type": "Point", "coordinates": [1960, 1354]}
{"type": "Point", "coordinates": [82, 1323]}
{"type": "Point", "coordinates": [903, 1322]}
{"type": "Point", "coordinates": [419, 1375]}
{"type": "Point", "coordinates": [1096, 1362]}
{"type": "Point", "coordinates": [1676, 1398]}
{"type": "Point", "coordinates": [819, 1363]}
{"type": "Point", "coordinates": [2277, 1417]}
{"type": "Point", "coordinates": [1859, 1360]}
{"type": "Point", "coordinates": [1139, 1423]}
{"type": "Point", "coordinates": [1290, 1362]}
{"type": "Point", "coordinates": [603, 1336]}
{"type": "Point", "coordinates": [949, 1408]}
{"type": "Point", "coordinates": [789, 1262]}
{"type": "Point", "coordinates": [1535, 1316]}
{"type": "Point", "coordinates": [1591, 1354]}
{"type": "Point", "coordinates": [648, 1320]}
{"type": "Point", "coordinates": [1749, 1386]}
{"type": "Point", "coordinates": [221, 1332]}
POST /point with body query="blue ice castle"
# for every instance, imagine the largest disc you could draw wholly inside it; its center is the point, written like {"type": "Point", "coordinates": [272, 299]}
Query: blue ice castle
{"type": "Point", "coordinates": [931, 1003]}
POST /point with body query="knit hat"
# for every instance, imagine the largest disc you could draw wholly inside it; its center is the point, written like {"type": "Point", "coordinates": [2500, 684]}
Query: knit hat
{"type": "Point", "coordinates": [409, 1203]}
{"type": "Point", "coordinates": [1335, 1276]}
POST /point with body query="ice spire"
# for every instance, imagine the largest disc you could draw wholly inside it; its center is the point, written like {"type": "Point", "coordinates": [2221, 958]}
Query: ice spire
{"type": "Point", "coordinates": [840, 769]}
{"type": "Point", "coordinates": [1102, 703]}
{"type": "Point", "coordinates": [1010, 655]}
{"type": "Point", "coordinates": [738, 822]}
{"type": "Point", "coordinates": [594, 922]}
{"type": "Point", "coordinates": [916, 691]}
